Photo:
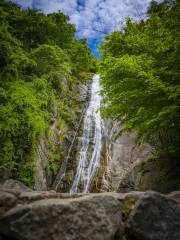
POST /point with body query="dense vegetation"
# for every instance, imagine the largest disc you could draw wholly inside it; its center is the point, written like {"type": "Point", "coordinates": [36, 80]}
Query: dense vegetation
{"type": "Point", "coordinates": [40, 62]}
{"type": "Point", "coordinates": [140, 77]}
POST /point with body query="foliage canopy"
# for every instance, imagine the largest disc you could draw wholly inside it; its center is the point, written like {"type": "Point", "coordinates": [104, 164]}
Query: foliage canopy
{"type": "Point", "coordinates": [40, 61]}
{"type": "Point", "coordinates": [140, 76]}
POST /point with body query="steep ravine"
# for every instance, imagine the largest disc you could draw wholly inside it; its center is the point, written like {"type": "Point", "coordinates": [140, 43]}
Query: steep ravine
{"type": "Point", "coordinates": [90, 145]}
{"type": "Point", "coordinates": [83, 160]}
{"type": "Point", "coordinates": [61, 140]}
{"type": "Point", "coordinates": [64, 177]}
{"type": "Point", "coordinates": [116, 167]}
{"type": "Point", "coordinates": [96, 161]}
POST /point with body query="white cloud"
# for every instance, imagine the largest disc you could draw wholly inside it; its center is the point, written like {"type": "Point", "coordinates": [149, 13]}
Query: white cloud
{"type": "Point", "coordinates": [24, 3]}
{"type": "Point", "coordinates": [93, 18]}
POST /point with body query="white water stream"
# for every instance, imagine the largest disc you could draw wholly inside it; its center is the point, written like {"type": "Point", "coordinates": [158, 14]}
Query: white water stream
{"type": "Point", "coordinates": [91, 142]}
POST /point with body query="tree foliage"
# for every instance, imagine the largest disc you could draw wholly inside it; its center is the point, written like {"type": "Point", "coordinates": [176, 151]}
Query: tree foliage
{"type": "Point", "coordinates": [40, 61]}
{"type": "Point", "coordinates": [140, 70]}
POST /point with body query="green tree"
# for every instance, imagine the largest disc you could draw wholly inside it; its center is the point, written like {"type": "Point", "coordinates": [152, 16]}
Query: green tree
{"type": "Point", "coordinates": [40, 62]}
{"type": "Point", "coordinates": [141, 77]}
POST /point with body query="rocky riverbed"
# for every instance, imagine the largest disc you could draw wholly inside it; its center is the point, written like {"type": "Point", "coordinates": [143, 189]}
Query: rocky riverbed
{"type": "Point", "coordinates": [36, 215]}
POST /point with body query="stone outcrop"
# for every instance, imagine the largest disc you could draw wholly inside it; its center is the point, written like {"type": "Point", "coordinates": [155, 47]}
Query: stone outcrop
{"type": "Point", "coordinates": [36, 215]}
{"type": "Point", "coordinates": [64, 178]}
{"type": "Point", "coordinates": [7, 201]}
{"type": "Point", "coordinates": [156, 174]}
{"type": "Point", "coordinates": [11, 184]}
{"type": "Point", "coordinates": [61, 141]}
{"type": "Point", "coordinates": [122, 153]}
{"type": "Point", "coordinates": [155, 217]}
{"type": "Point", "coordinates": [175, 196]}
{"type": "Point", "coordinates": [41, 164]}
{"type": "Point", "coordinates": [85, 218]}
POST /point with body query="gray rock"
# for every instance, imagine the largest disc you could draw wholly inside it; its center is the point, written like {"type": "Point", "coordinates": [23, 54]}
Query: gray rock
{"type": "Point", "coordinates": [155, 217]}
{"type": "Point", "coordinates": [36, 195]}
{"type": "Point", "coordinates": [14, 185]}
{"type": "Point", "coordinates": [122, 153]}
{"type": "Point", "coordinates": [42, 159]}
{"type": "Point", "coordinates": [175, 195]}
{"type": "Point", "coordinates": [28, 197]}
{"type": "Point", "coordinates": [68, 195]}
{"type": "Point", "coordinates": [157, 174]}
{"type": "Point", "coordinates": [7, 200]}
{"type": "Point", "coordinates": [92, 217]}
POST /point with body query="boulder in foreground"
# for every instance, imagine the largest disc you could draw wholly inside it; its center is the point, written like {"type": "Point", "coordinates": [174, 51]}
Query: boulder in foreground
{"type": "Point", "coordinates": [155, 217]}
{"type": "Point", "coordinates": [85, 218]}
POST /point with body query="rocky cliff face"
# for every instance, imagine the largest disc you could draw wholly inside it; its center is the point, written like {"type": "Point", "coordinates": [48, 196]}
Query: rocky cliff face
{"type": "Point", "coordinates": [41, 164]}
{"type": "Point", "coordinates": [56, 150]}
{"type": "Point", "coordinates": [124, 164]}
{"type": "Point", "coordinates": [121, 154]}
{"type": "Point", "coordinates": [64, 178]}
{"type": "Point", "coordinates": [158, 174]}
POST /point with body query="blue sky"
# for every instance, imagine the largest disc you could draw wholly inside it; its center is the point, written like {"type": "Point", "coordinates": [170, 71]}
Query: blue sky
{"type": "Point", "coordinates": [93, 18]}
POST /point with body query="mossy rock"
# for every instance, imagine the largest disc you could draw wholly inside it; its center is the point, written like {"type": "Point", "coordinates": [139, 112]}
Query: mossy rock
{"type": "Point", "coordinates": [158, 174]}
{"type": "Point", "coordinates": [127, 206]}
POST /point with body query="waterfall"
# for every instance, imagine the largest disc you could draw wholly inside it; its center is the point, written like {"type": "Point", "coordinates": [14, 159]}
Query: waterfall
{"type": "Point", "coordinates": [90, 143]}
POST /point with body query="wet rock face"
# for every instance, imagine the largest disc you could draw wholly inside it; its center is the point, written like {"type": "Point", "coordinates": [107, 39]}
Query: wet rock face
{"type": "Point", "coordinates": [155, 217]}
{"type": "Point", "coordinates": [86, 218]}
{"type": "Point", "coordinates": [122, 153]}
{"type": "Point", "coordinates": [41, 163]}
{"type": "Point", "coordinates": [84, 93]}
{"type": "Point", "coordinates": [157, 174]}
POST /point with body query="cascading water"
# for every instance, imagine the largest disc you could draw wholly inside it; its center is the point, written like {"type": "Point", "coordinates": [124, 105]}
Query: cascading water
{"type": "Point", "coordinates": [91, 142]}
